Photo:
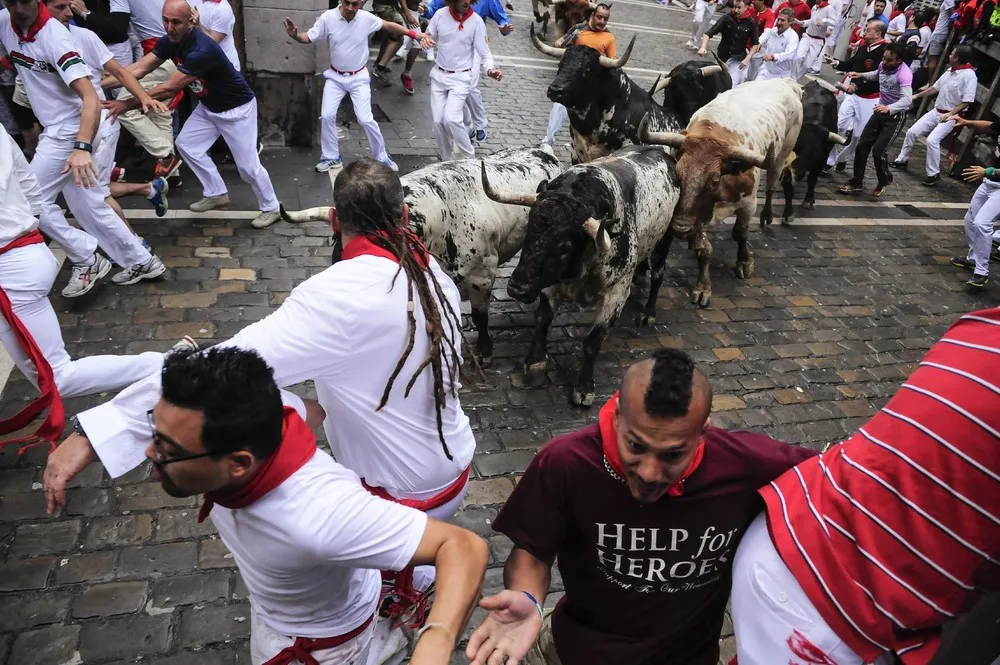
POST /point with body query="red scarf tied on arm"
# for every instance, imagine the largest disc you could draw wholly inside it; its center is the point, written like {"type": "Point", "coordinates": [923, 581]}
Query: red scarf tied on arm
{"type": "Point", "coordinates": [609, 443]}
{"type": "Point", "coordinates": [461, 19]}
{"type": "Point", "coordinates": [297, 447]}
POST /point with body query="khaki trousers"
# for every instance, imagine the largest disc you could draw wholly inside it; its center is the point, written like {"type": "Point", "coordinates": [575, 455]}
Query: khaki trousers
{"type": "Point", "coordinates": [154, 132]}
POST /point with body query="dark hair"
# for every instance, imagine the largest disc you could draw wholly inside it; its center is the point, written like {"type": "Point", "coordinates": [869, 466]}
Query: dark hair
{"type": "Point", "coordinates": [924, 16]}
{"type": "Point", "coordinates": [896, 49]}
{"type": "Point", "coordinates": [669, 392]}
{"type": "Point", "coordinates": [787, 13]}
{"type": "Point", "coordinates": [901, 5]}
{"type": "Point", "coordinates": [604, 5]}
{"type": "Point", "coordinates": [235, 390]}
{"type": "Point", "coordinates": [964, 54]}
{"type": "Point", "coordinates": [881, 26]}
{"type": "Point", "coordinates": [369, 200]}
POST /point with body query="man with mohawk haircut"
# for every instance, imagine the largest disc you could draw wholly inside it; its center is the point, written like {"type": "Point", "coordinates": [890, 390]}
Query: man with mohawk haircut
{"type": "Point", "coordinates": [353, 329]}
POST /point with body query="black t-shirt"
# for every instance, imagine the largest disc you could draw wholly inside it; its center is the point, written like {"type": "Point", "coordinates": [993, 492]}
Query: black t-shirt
{"type": "Point", "coordinates": [910, 41]}
{"type": "Point", "coordinates": [218, 86]}
{"type": "Point", "coordinates": [735, 34]}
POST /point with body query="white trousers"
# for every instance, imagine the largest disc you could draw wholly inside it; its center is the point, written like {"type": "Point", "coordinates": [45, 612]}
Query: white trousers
{"type": "Point", "coordinates": [557, 116]}
{"type": "Point", "coordinates": [738, 75]}
{"type": "Point", "coordinates": [772, 614]}
{"type": "Point", "coordinates": [266, 643]}
{"type": "Point", "coordinates": [238, 127]}
{"type": "Point", "coordinates": [807, 56]}
{"type": "Point", "coordinates": [88, 205]}
{"type": "Point", "coordinates": [475, 112]}
{"type": "Point", "coordinates": [854, 114]}
{"type": "Point", "coordinates": [448, 95]}
{"type": "Point", "coordinates": [984, 208]}
{"type": "Point", "coordinates": [26, 275]}
{"type": "Point", "coordinates": [153, 131]}
{"type": "Point", "coordinates": [754, 68]}
{"type": "Point", "coordinates": [358, 87]}
{"type": "Point", "coordinates": [104, 153]}
{"type": "Point", "coordinates": [703, 13]}
{"type": "Point", "coordinates": [928, 124]}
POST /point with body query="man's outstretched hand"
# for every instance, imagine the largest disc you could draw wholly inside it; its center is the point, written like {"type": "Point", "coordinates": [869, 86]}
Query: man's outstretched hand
{"type": "Point", "coordinates": [70, 458]}
{"type": "Point", "coordinates": [508, 632]}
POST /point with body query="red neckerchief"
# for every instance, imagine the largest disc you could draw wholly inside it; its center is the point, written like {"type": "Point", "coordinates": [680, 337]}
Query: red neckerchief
{"type": "Point", "coordinates": [51, 428]}
{"type": "Point", "coordinates": [609, 444]}
{"type": "Point", "coordinates": [363, 245]}
{"type": "Point", "coordinates": [461, 19]}
{"type": "Point", "coordinates": [43, 16]}
{"type": "Point", "coordinates": [967, 65]}
{"type": "Point", "coordinates": [297, 447]}
{"type": "Point", "coordinates": [877, 43]}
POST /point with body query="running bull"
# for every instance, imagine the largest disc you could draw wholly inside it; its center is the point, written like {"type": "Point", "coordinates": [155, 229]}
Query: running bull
{"type": "Point", "coordinates": [818, 136]}
{"type": "Point", "coordinates": [604, 106]}
{"type": "Point", "coordinates": [751, 127]}
{"type": "Point", "coordinates": [690, 85]}
{"type": "Point", "coordinates": [588, 231]}
{"type": "Point", "coordinates": [468, 233]}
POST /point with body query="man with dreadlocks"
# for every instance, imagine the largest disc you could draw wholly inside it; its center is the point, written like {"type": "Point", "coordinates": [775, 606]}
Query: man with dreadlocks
{"type": "Point", "coordinates": [378, 333]}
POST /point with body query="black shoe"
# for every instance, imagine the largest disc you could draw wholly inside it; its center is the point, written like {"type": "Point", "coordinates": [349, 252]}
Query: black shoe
{"type": "Point", "coordinates": [963, 263]}
{"type": "Point", "coordinates": [841, 167]}
{"type": "Point", "coordinates": [931, 180]}
{"type": "Point", "coordinates": [538, 17]}
{"type": "Point", "coordinates": [978, 281]}
{"type": "Point", "coordinates": [381, 74]}
{"type": "Point", "coordinates": [995, 255]}
{"type": "Point", "coordinates": [896, 164]}
{"type": "Point", "coordinates": [826, 170]}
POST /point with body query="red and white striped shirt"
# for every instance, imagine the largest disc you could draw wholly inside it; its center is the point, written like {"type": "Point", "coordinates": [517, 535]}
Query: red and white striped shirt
{"type": "Point", "coordinates": [897, 529]}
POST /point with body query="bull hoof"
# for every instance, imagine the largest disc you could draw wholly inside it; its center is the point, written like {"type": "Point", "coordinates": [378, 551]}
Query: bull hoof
{"type": "Point", "coordinates": [765, 220]}
{"type": "Point", "coordinates": [485, 362]}
{"type": "Point", "coordinates": [530, 367]}
{"type": "Point", "coordinates": [702, 297]}
{"type": "Point", "coordinates": [810, 205]}
{"type": "Point", "coordinates": [788, 220]}
{"type": "Point", "coordinates": [644, 320]}
{"type": "Point", "coordinates": [744, 269]}
{"type": "Point", "coordinates": [578, 398]}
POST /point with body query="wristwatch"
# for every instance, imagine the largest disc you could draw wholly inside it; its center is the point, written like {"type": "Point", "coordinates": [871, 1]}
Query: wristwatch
{"type": "Point", "coordinates": [83, 145]}
{"type": "Point", "coordinates": [78, 427]}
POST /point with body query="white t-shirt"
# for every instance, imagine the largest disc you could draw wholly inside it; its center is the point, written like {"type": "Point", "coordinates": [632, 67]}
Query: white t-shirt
{"type": "Point", "coordinates": [217, 15]}
{"type": "Point", "coordinates": [925, 38]}
{"type": "Point", "coordinates": [47, 65]}
{"type": "Point", "coordinates": [943, 24]}
{"type": "Point", "coordinates": [348, 39]}
{"type": "Point", "coordinates": [457, 48]}
{"type": "Point", "coordinates": [147, 17]}
{"type": "Point", "coordinates": [822, 20]}
{"type": "Point", "coordinates": [16, 218]}
{"type": "Point", "coordinates": [898, 24]}
{"type": "Point", "coordinates": [310, 550]}
{"type": "Point", "coordinates": [955, 87]}
{"type": "Point", "coordinates": [345, 329]}
{"type": "Point", "coordinates": [95, 53]}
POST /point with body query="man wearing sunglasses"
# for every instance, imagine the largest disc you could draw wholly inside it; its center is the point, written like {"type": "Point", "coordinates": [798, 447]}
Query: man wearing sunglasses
{"type": "Point", "coordinates": [309, 540]}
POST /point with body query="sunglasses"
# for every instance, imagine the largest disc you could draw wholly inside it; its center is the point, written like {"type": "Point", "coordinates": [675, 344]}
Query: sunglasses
{"type": "Point", "coordinates": [158, 439]}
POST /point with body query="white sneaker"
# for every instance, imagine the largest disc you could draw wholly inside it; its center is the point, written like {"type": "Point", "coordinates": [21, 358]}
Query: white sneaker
{"type": "Point", "coordinates": [186, 344]}
{"type": "Point", "coordinates": [83, 278]}
{"type": "Point", "coordinates": [265, 219]}
{"type": "Point", "coordinates": [325, 165]}
{"type": "Point", "coordinates": [391, 164]}
{"type": "Point", "coordinates": [149, 270]}
{"type": "Point", "coordinates": [210, 203]}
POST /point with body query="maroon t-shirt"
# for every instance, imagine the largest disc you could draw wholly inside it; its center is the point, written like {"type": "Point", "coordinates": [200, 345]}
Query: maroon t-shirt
{"type": "Point", "coordinates": [645, 584]}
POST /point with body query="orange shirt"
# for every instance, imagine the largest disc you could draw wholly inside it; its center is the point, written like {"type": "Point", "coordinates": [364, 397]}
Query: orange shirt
{"type": "Point", "coordinates": [603, 42]}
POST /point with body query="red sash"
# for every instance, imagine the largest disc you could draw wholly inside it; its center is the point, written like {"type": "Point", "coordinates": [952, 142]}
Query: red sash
{"type": "Point", "coordinates": [51, 428]}
{"type": "Point", "coordinates": [301, 650]}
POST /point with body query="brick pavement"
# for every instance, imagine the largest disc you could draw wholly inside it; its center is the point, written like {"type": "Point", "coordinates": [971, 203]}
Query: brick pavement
{"type": "Point", "coordinates": [833, 321]}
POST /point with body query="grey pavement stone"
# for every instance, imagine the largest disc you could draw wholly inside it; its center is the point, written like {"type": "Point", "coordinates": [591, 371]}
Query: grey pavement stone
{"type": "Point", "coordinates": [45, 538]}
{"type": "Point", "coordinates": [23, 574]}
{"type": "Point", "coordinates": [52, 645]}
{"type": "Point", "coordinates": [20, 612]}
{"type": "Point", "coordinates": [125, 639]}
{"type": "Point", "coordinates": [155, 560]}
{"type": "Point", "coordinates": [213, 624]}
{"type": "Point", "coordinates": [110, 599]}
{"type": "Point", "coordinates": [181, 524]}
{"type": "Point", "coordinates": [92, 567]}
{"type": "Point", "coordinates": [190, 589]}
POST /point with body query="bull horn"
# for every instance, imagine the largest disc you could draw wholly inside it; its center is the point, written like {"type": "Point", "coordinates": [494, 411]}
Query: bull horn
{"type": "Point", "coordinates": [837, 138]}
{"type": "Point", "coordinates": [826, 85]}
{"type": "Point", "coordinates": [320, 214]}
{"type": "Point", "coordinates": [550, 51]}
{"type": "Point", "coordinates": [557, 2]}
{"type": "Point", "coordinates": [718, 59]}
{"type": "Point", "coordinates": [660, 84]}
{"type": "Point", "coordinates": [711, 70]}
{"type": "Point", "coordinates": [596, 231]}
{"type": "Point", "coordinates": [750, 156]}
{"type": "Point", "coordinates": [616, 63]}
{"type": "Point", "coordinates": [671, 139]}
{"type": "Point", "coordinates": [494, 195]}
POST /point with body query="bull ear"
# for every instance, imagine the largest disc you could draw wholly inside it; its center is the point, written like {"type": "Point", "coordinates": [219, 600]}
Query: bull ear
{"type": "Point", "coordinates": [733, 166]}
{"type": "Point", "coordinates": [541, 186]}
{"type": "Point", "coordinates": [611, 226]}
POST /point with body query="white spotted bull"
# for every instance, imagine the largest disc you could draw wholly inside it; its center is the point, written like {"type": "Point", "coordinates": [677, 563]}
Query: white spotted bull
{"type": "Point", "coordinates": [470, 234]}
{"type": "Point", "coordinates": [588, 231]}
{"type": "Point", "coordinates": [752, 127]}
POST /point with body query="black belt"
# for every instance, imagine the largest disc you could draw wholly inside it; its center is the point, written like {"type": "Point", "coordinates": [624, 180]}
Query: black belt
{"type": "Point", "coordinates": [450, 71]}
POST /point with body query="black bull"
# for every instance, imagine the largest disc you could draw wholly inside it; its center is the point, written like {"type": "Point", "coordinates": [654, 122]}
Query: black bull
{"type": "Point", "coordinates": [816, 138]}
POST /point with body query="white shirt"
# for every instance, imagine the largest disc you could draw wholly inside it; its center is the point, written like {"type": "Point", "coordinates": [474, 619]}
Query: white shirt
{"type": "Point", "coordinates": [456, 49]}
{"type": "Point", "coordinates": [94, 52]}
{"type": "Point", "coordinates": [925, 38]}
{"type": "Point", "coordinates": [348, 40]}
{"type": "Point", "coordinates": [147, 17]}
{"type": "Point", "coordinates": [345, 329]}
{"type": "Point", "coordinates": [822, 21]}
{"type": "Point", "coordinates": [47, 65]}
{"type": "Point", "coordinates": [955, 87]}
{"type": "Point", "coordinates": [898, 24]}
{"type": "Point", "coordinates": [943, 24]}
{"type": "Point", "coordinates": [782, 45]}
{"type": "Point", "coordinates": [217, 15]}
{"type": "Point", "coordinates": [16, 218]}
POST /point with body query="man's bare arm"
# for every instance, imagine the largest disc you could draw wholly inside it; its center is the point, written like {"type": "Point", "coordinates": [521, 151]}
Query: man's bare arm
{"type": "Point", "coordinates": [138, 69]}
{"type": "Point", "coordinates": [132, 84]}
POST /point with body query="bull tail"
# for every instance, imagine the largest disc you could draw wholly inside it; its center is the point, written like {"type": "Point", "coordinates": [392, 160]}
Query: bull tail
{"type": "Point", "coordinates": [789, 165]}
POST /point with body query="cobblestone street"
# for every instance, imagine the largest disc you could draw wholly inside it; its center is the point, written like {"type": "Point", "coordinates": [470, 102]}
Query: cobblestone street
{"type": "Point", "coordinates": [843, 304]}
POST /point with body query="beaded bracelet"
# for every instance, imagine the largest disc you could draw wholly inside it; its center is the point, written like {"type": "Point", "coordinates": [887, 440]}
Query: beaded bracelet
{"type": "Point", "coordinates": [538, 606]}
{"type": "Point", "coordinates": [428, 626]}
